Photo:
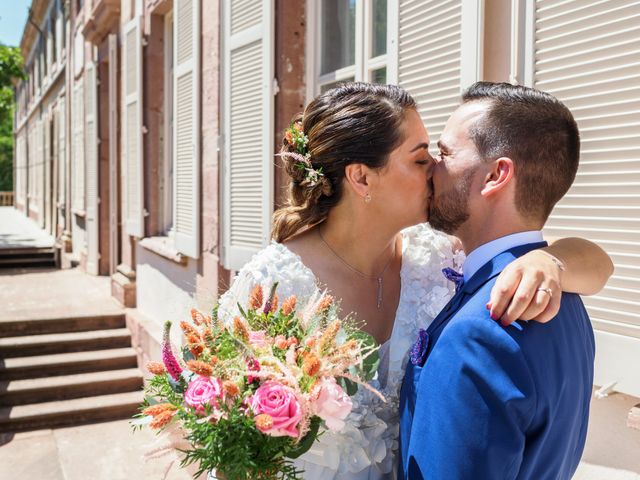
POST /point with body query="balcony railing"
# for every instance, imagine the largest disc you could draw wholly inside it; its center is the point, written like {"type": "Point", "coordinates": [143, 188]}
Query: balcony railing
{"type": "Point", "coordinates": [6, 199]}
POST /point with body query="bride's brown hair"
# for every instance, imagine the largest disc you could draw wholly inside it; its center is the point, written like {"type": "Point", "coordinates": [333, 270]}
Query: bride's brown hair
{"type": "Point", "coordinates": [352, 123]}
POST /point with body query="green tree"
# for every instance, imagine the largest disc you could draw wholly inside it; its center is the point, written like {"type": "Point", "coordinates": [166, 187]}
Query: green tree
{"type": "Point", "coordinates": [10, 70]}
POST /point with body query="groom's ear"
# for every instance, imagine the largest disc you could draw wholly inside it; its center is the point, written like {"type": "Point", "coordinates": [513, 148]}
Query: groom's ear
{"type": "Point", "coordinates": [357, 175]}
{"type": "Point", "coordinates": [499, 177]}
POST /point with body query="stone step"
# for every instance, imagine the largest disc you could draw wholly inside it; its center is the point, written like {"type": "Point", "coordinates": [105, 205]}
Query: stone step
{"type": "Point", "coordinates": [25, 251]}
{"type": "Point", "coordinates": [46, 344]}
{"type": "Point", "coordinates": [27, 257]}
{"type": "Point", "coordinates": [70, 412]}
{"type": "Point", "coordinates": [83, 323]}
{"type": "Point", "coordinates": [62, 387]}
{"type": "Point", "coordinates": [67, 363]}
{"type": "Point", "coordinates": [46, 261]}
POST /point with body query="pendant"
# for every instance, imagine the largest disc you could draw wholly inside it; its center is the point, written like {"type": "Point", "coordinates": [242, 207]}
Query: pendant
{"type": "Point", "coordinates": [379, 292]}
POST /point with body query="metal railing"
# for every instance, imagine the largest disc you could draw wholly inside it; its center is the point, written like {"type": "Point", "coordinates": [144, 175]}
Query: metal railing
{"type": "Point", "coordinates": [6, 199]}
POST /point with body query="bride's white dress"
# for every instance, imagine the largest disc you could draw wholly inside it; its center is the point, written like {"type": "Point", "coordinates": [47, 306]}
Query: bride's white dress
{"type": "Point", "coordinates": [366, 448]}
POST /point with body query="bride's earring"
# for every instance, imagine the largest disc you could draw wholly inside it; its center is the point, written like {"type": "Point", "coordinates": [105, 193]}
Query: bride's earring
{"type": "Point", "coordinates": [367, 198]}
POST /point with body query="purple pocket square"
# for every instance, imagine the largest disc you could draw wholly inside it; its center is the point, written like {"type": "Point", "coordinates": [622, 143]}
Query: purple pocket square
{"type": "Point", "coordinates": [418, 353]}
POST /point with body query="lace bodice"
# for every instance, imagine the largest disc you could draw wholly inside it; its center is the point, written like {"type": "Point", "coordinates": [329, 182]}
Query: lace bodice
{"type": "Point", "coordinates": [366, 447]}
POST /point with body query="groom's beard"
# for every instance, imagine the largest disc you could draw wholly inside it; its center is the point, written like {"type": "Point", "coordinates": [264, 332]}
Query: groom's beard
{"type": "Point", "coordinates": [448, 211]}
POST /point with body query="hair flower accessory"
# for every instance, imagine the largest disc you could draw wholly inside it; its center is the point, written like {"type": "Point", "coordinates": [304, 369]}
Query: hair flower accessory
{"type": "Point", "coordinates": [295, 137]}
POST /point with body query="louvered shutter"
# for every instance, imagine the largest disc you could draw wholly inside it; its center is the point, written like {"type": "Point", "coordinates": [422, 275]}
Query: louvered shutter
{"type": "Point", "coordinates": [91, 149]}
{"type": "Point", "coordinates": [40, 172]}
{"type": "Point", "coordinates": [78, 146]}
{"type": "Point", "coordinates": [588, 55]}
{"type": "Point", "coordinates": [45, 199]}
{"type": "Point", "coordinates": [248, 137]}
{"type": "Point", "coordinates": [62, 152]}
{"type": "Point", "coordinates": [59, 37]}
{"type": "Point", "coordinates": [132, 132]}
{"type": "Point", "coordinates": [20, 165]}
{"type": "Point", "coordinates": [186, 140]}
{"type": "Point", "coordinates": [31, 158]}
{"type": "Point", "coordinates": [439, 54]}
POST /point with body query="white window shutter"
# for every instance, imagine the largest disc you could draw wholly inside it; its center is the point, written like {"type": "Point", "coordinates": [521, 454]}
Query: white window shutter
{"type": "Point", "coordinates": [78, 146]}
{"type": "Point", "coordinates": [19, 172]}
{"type": "Point", "coordinates": [62, 151]}
{"type": "Point", "coordinates": [439, 54]}
{"type": "Point", "coordinates": [91, 152]}
{"type": "Point", "coordinates": [40, 172]}
{"type": "Point", "coordinates": [248, 130]}
{"type": "Point", "coordinates": [186, 140]}
{"type": "Point", "coordinates": [59, 38]}
{"type": "Point", "coordinates": [587, 55]}
{"type": "Point", "coordinates": [132, 132]}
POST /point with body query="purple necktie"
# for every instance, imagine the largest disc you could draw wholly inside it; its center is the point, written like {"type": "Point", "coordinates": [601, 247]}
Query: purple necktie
{"type": "Point", "coordinates": [455, 277]}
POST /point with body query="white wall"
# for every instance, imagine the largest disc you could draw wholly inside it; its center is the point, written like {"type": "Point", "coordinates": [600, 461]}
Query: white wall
{"type": "Point", "coordinates": [165, 290]}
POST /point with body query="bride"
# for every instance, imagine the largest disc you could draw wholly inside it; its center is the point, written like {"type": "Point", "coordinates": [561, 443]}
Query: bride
{"type": "Point", "coordinates": [355, 225]}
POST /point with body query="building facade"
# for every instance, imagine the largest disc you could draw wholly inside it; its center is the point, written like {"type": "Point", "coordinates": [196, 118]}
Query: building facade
{"type": "Point", "coordinates": [146, 131]}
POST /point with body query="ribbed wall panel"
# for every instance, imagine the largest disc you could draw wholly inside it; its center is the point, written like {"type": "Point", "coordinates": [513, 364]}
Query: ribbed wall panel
{"type": "Point", "coordinates": [429, 48]}
{"type": "Point", "coordinates": [588, 55]}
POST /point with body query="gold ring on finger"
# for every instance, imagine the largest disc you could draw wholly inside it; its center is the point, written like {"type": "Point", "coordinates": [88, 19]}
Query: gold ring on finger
{"type": "Point", "coordinates": [546, 290]}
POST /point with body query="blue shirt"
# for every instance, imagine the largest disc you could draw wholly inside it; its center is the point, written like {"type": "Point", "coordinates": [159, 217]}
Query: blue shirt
{"type": "Point", "coordinates": [484, 253]}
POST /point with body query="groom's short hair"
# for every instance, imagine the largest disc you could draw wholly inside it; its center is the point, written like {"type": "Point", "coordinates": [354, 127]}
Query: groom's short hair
{"type": "Point", "coordinates": [535, 130]}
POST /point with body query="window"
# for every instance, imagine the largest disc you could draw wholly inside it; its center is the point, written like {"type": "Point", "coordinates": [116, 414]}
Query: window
{"type": "Point", "coordinates": [351, 41]}
{"type": "Point", "coordinates": [44, 54]}
{"type": "Point", "coordinates": [53, 37]}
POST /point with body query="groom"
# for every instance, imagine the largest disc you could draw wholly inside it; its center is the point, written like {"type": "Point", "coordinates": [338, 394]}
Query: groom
{"type": "Point", "coordinates": [480, 401]}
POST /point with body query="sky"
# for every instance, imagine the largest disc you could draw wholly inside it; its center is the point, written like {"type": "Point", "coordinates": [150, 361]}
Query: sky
{"type": "Point", "coordinates": [13, 16]}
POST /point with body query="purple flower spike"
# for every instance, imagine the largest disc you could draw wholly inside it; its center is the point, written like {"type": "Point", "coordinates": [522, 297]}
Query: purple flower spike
{"type": "Point", "coordinates": [168, 358]}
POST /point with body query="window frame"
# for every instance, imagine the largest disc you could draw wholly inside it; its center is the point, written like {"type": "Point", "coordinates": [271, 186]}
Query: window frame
{"type": "Point", "coordinates": [364, 66]}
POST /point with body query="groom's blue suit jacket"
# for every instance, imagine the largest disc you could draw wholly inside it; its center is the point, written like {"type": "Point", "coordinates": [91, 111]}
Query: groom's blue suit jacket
{"type": "Point", "coordinates": [493, 402]}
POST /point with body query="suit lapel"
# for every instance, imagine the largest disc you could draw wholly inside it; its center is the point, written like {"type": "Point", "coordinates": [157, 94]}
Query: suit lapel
{"type": "Point", "coordinates": [488, 271]}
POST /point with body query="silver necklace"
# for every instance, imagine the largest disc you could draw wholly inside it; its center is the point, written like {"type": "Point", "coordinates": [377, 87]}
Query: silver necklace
{"type": "Point", "coordinates": [377, 278]}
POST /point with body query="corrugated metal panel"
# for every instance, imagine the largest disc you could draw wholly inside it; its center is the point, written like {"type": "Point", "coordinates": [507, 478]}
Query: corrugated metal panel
{"type": "Point", "coordinates": [187, 127]}
{"type": "Point", "coordinates": [588, 55]}
{"type": "Point", "coordinates": [429, 52]}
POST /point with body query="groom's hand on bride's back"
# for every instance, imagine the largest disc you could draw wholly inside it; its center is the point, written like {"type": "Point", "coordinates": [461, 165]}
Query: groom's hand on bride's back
{"type": "Point", "coordinates": [530, 288]}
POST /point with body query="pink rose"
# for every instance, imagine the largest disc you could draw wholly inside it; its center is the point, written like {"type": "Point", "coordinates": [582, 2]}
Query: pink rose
{"type": "Point", "coordinates": [280, 403]}
{"type": "Point", "coordinates": [258, 339]}
{"type": "Point", "coordinates": [203, 391]}
{"type": "Point", "coordinates": [332, 405]}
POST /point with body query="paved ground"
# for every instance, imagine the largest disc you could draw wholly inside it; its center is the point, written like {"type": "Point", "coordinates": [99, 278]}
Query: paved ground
{"type": "Point", "coordinates": [16, 230]}
{"type": "Point", "coordinates": [48, 293]}
{"type": "Point", "coordinates": [103, 451]}
{"type": "Point", "coordinates": [613, 449]}
{"type": "Point", "coordinates": [112, 451]}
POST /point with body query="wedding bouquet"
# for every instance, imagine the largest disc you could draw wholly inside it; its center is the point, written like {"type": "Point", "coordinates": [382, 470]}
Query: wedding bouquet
{"type": "Point", "coordinates": [252, 392]}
